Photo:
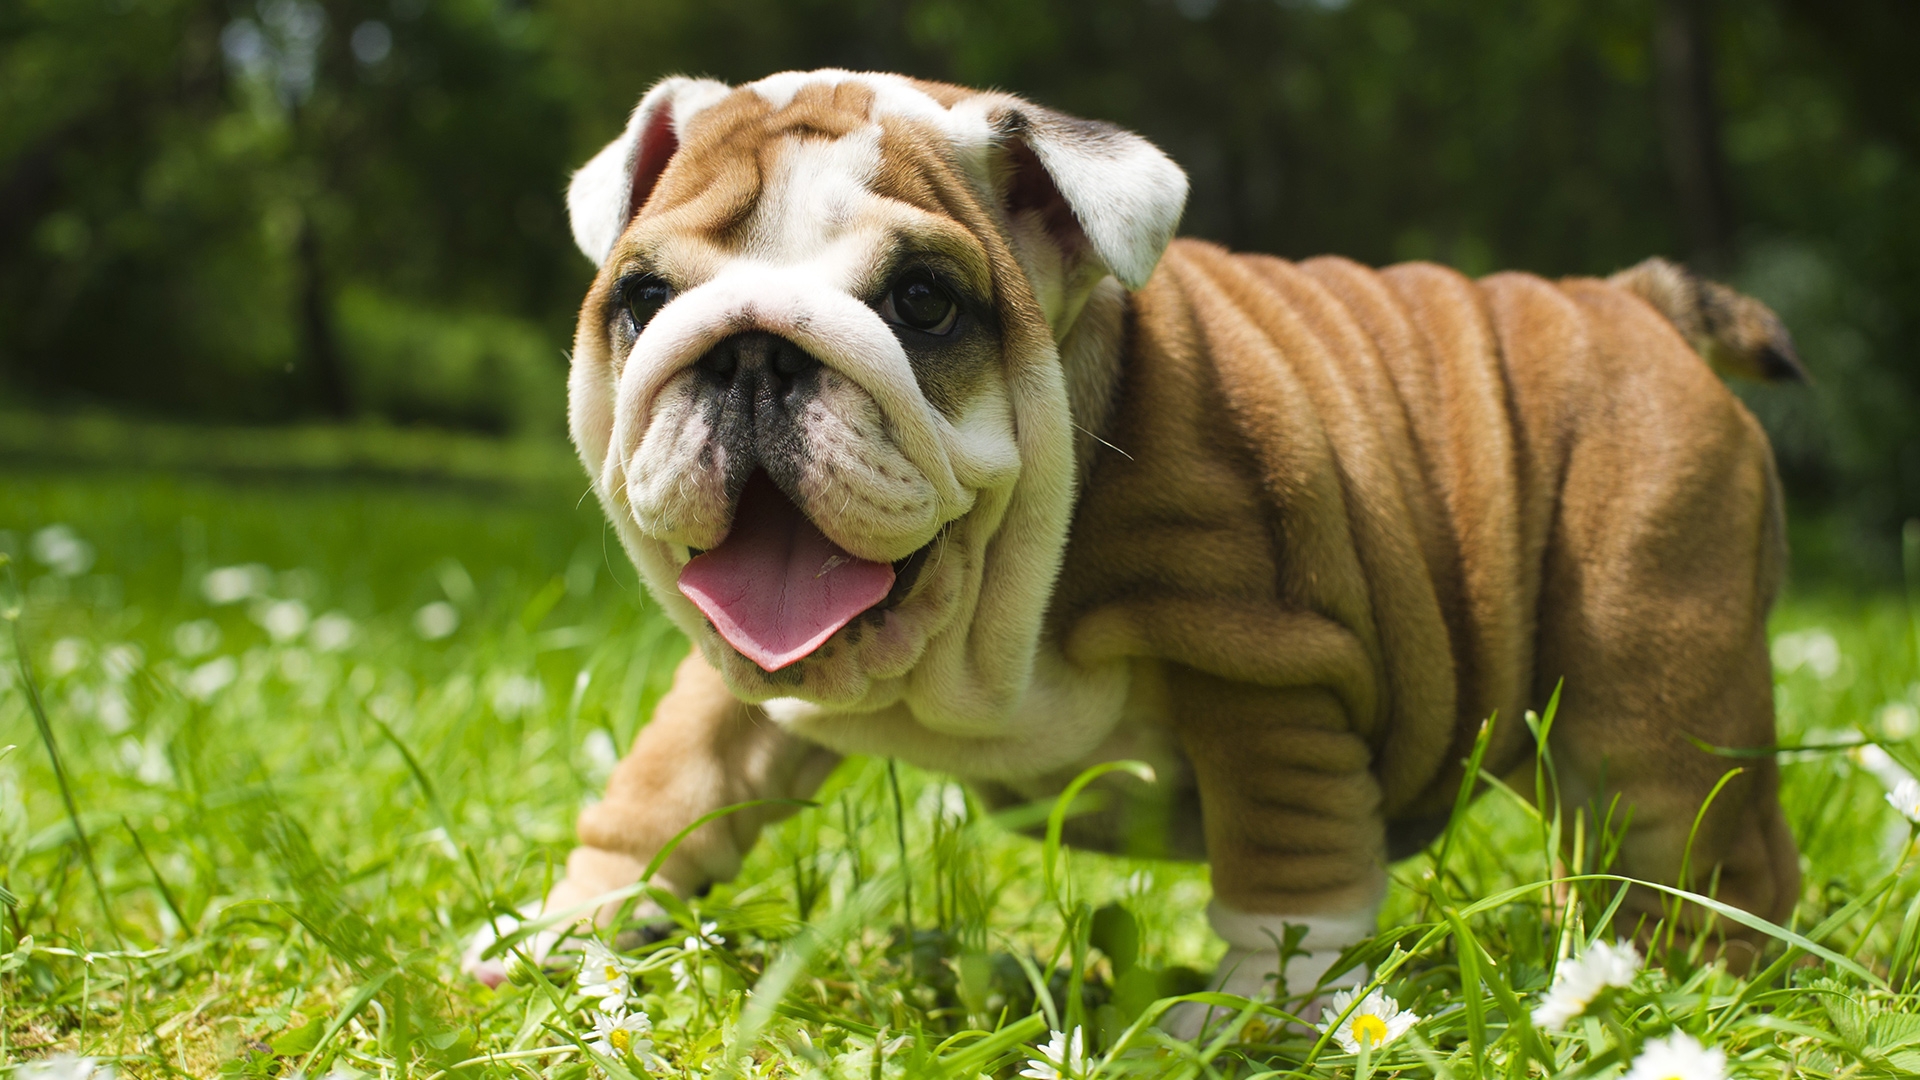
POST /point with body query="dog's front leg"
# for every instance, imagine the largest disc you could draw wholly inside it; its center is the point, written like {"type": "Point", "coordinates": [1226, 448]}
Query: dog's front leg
{"type": "Point", "coordinates": [1294, 834]}
{"type": "Point", "coordinates": [704, 750]}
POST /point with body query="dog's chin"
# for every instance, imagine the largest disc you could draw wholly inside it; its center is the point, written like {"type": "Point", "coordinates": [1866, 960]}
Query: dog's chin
{"type": "Point", "coordinates": [865, 663]}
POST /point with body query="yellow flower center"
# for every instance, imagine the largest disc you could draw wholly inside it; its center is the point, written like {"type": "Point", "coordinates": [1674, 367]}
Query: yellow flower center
{"type": "Point", "coordinates": [612, 973]}
{"type": "Point", "coordinates": [621, 1038]}
{"type": "Point", "coordinates": [1368, 1029]}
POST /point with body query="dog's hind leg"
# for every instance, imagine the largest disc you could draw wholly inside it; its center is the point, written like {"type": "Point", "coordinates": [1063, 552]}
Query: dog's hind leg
{"type": "Point", "coordinates": [1667, 554]}
{"type": "Point", "coordinates": [703, 750]}
{"type": "Point", "coordinates": [1645, 754]}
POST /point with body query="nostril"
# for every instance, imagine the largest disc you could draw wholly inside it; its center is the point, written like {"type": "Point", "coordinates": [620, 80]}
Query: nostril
{"type": "Point", "coordinates": [790, 361]}
{"type": "Point", "coordinates": [755, 356]}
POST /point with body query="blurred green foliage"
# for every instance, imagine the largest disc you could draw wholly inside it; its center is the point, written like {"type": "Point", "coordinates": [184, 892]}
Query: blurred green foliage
{"type": "Point", "coordinates": [263, 210]}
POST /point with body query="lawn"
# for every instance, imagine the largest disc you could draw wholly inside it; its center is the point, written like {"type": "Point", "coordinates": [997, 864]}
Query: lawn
{"type": "Point", "coordinates": [314, 731]}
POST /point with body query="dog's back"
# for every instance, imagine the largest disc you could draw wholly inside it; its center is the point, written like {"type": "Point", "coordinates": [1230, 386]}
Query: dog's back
{"type": "Point", "coordinates": [1419, 500]}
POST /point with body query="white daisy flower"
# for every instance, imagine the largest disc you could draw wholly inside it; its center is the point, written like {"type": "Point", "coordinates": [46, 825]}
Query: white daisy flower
{"type": "Point", "coordinates": [1678, 1056]}
{"type": "Point", "coordinates": [1375, 1022]}
{"type": "Point", "coordinates": [687, 969]}
{"type": "Point", "coordinates": [1906, 799]}
{"type": "Point", "coordinates": [606, 975]}
{"type": "Point", "coordinates": [1577, 982]}
{"type": "Point", "coordinates": [65, 1067]}
{"type": "Point", "coordinates": [1874, 759]}
{"type": "Point", "coordinates": [1064, 1056]}
{"type": "Point", "coordinates": [619, 1033]}
{"type": "Point", "coordinates": [706, 936]}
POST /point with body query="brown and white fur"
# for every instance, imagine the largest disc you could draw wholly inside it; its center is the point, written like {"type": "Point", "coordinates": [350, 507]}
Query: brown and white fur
{"type": "Point", "coordinates": [1288, 532]}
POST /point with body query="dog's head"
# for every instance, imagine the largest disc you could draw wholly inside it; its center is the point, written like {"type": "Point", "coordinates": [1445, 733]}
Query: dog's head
{"type": "Point", "coordinates": [818, 380]}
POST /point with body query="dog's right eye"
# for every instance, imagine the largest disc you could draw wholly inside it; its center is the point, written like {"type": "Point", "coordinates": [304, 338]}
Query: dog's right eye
{"type": "Point", "coordinates": [642, 297]}
{"type": "Point", "coordinates": [917, 301]}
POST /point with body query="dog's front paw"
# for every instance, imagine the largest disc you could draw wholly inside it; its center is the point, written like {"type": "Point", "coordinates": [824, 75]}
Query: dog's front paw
{"type": "Point", "coordinates": [1251, 967]}
{"type": "Point", "coordinates": [1254, 974]}
{"type": "Point", "coordinates": [592, 878]}
{"type": "Point", "coordinates": [492, 970]}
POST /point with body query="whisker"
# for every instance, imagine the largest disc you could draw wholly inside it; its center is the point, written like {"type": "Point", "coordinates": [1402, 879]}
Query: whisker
{"type": "Point", "coordinates": [1103, 442]}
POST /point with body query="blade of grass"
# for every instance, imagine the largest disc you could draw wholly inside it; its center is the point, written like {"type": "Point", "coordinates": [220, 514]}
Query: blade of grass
{"type": "Point", "coordinates": [569, 915]}
{"type": "Point", "coordinates": [1754, 985]}
{"type": "Point", "coordinates": [906, 865]}
{"type": "Point", "coordinates": [1461, 799]}
{"type": "Point", "coordinates": [1724, 910]}
{"type": "Point", "coordinates": [159, 883]}
{"type": "Point", "coordinates": [977, 1058]}
{"type": "Point", "coordinates": [1468, 956]}
{"type": "Point", "coordinates": [859, 910]}
{"type": "Point", "coordinates": [1519, 1021]}
{"type": "Point", "coordinates": [1041, 993]}
{"type": "Point", "coordinates": [1057, 818]}
{"type": "Point", "coordinates": [439, 808]}
{"type": "Point", "coordinates": [1906, 949]}
{"type": "Point", "coordinates": [38, 708]}
{"type": "Point", "coordinates": [1873, 920]}
{"type": "Point", "coordinates": [358, 1001]}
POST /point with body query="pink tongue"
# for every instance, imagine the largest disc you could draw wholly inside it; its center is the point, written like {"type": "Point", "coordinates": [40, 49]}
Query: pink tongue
{"type": "Point", "coordinates": [776, 588]}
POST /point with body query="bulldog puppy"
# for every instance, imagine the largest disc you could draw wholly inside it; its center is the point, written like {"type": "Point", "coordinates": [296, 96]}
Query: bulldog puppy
{"type": "Point", "coordinates": [917, 424]}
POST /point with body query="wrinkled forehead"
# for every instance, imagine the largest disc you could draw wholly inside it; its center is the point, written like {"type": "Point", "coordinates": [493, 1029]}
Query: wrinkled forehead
{"type": "Point", "coordinates": [835, 166]}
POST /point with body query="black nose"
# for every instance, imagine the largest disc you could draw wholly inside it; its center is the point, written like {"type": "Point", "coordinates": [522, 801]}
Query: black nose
{"type": "Point", "coordinates": [758, 385]}
{"type": "Point", "coordinates": [758, 356]}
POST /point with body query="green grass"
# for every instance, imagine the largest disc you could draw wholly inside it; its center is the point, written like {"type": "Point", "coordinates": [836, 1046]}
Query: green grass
{"type": "Point", "coordinates": [293, 838]}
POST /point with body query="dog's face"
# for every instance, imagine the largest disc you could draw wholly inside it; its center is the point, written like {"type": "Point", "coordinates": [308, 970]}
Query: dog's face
{"type": "Point", "coordinates": [817, 381]}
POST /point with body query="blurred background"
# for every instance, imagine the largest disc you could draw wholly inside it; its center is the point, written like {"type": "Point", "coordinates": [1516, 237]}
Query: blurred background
{"type": "Point", "coordinates": [333, 230]}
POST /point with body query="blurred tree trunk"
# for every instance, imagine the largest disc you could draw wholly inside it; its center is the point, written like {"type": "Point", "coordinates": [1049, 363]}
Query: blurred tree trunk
{"type": "Point", "coordinates": [319, 347]}
{"type": "Point", "coordinates": [1690, 127]}
{"type": "Point", "coordinates": [27, 184]}
{"type": "Point", "coordinates": [1869, 47]}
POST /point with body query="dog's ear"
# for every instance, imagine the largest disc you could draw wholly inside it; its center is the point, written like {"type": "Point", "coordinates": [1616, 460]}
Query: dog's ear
{"type": "Point", "coordinates": [610, 189]}
{"type": "Point", "coordinates": [1098, 192]}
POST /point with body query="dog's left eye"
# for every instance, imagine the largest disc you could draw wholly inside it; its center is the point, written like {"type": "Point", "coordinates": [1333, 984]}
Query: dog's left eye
{"type": "Point", "coordinates": [917, 301]}
{"type": "Point", "coordinates": [642, 297]}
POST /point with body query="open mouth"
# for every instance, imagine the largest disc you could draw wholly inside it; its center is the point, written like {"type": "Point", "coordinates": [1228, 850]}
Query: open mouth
{"type": "Point", "coordinates": [777, 588]}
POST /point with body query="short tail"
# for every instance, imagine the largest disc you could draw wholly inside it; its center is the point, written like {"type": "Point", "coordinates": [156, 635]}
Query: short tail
{"type": "Point", "coordinates": [1735, 333]}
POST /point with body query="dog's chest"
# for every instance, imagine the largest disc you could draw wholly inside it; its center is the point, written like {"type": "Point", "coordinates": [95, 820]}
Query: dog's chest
{"type": "Point", "coordinates": [1129, 812]}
